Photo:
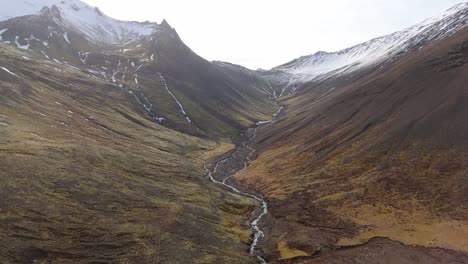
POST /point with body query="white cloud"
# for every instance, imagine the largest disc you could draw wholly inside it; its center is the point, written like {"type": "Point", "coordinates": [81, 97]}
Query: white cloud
{"type": "Point", "coordinates": [266, 33]}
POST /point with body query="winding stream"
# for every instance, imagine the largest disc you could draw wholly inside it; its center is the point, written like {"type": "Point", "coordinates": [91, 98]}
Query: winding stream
{"type": "Point", "coordinates": [257, 232]}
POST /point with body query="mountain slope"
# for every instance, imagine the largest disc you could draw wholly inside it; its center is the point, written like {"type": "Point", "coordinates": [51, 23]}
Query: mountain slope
{"type": "Point", "coordinates": [87, 178]}
{"type": "Point", "coordinates": [358, 160]}
{"type": "Point", "coordinates": [185, 91]}
{"type": "Point", "coordinates": [103, 123]}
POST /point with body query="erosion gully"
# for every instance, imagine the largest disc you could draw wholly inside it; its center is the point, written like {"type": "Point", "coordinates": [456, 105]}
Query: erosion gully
{"type": "Point", "coordinates": [226, 169]}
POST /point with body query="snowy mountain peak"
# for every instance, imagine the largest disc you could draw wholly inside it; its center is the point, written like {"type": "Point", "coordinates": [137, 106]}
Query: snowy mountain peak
{"type": "Point", "coordinates": [50, 11]}
{"type": "Point", "coordinates": [79, 16]}
{"type": "Point", "coordinates": [321, 53]}
{"type": "Point", "coordinates": [165, 24]}
{"type": "Point", "coordinates": [98, 11]}
{"type": "Point", "coordinates": [380, 49]}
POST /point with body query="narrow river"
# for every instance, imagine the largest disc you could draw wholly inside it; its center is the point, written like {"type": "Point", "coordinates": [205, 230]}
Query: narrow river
{"type": "Point", "coordinates": [243, 155]}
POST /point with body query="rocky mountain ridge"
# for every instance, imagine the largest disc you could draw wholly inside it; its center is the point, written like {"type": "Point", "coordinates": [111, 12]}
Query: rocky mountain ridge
{"type": "Point", "coordinates": [380, 50]}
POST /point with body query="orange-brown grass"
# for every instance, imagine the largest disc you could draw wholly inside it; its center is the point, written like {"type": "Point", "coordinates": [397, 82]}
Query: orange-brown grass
{"type": "Point", "coordinates": [222, 147]}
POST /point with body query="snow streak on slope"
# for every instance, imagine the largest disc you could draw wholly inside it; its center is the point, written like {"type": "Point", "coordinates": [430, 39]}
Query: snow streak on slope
{"type": "Point", "coordinates": [379, 49]}
{"type": "Point", "coordinates": [143, 101]}
{"type": "Point", "coordinates": [83, 18]}
{"type": "Point", "coordinates": [65, 36]}
{"type": "Point", "coordinates": [10, 72]}
{"type": "Point", "coordinates": [175, 99]}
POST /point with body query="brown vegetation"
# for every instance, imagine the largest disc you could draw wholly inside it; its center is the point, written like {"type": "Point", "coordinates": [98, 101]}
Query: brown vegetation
{"type": "Point", "coordinates": [384, 155]}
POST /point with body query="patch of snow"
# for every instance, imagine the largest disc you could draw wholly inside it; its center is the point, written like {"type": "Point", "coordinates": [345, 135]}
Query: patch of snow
{"type": "Point", "coordinates": [34, 134]}
{"type": "Point", "coordinates": [103, 74]}
{"type": "Point", "coordinates": [139, 67]}
{"type": "Point", "coordinates": [41, 113]}
{"type": "Point", "coordinates": [1, 32]}
{"type": "Point", "coordinates": [327, 93]}
{"type": "Point", "coordinates": [380, 49]}
{"type": "Point", "coordinates": [25, 47]}
{"type": "Point", "coordinates": [80, 16]}
{"type": "Point", "coordinates": [83, 56]}
{"type": "Point", "coordinates": [113, 76]}
{"type": "Point", "coordinates": [32, 37]}
{"type": "Point", "coordinates": [181, 108]}
{"type": "Point", "coordinates": [273, 92]}
{"type": "Point", "coordinates": [259, 123]}
{"type": "Point", "coordinates": [143, 101]}
{"type": "Point", "coordinates": [278, 112]}
{"type": "Point", "coordinates": [65, 36]}
{"type": "Point", "coordinates": [74, 86]}
{"type": "Point", "coordinates": [5, 69]}
{"type": "Point", "coordinates": [45, 55]}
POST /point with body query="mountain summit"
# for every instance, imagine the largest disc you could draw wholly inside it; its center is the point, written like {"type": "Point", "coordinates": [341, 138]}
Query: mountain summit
{"type": "Point", "coordinates": [79, 16]}
{"type": "Point", "coordinates": [381, 49]}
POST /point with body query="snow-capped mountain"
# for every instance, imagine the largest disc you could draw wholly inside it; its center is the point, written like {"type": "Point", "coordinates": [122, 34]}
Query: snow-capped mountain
{"type": "Point", "coordinates": [79, 16]}
{"type": "Point", "coordinates": [164, 78]}
{"type": "Point", "coordinates": [380, 49]}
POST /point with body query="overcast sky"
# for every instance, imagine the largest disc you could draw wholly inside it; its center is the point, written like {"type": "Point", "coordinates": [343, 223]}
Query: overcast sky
{"type": "Point", "coordinates": [266, 33]}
